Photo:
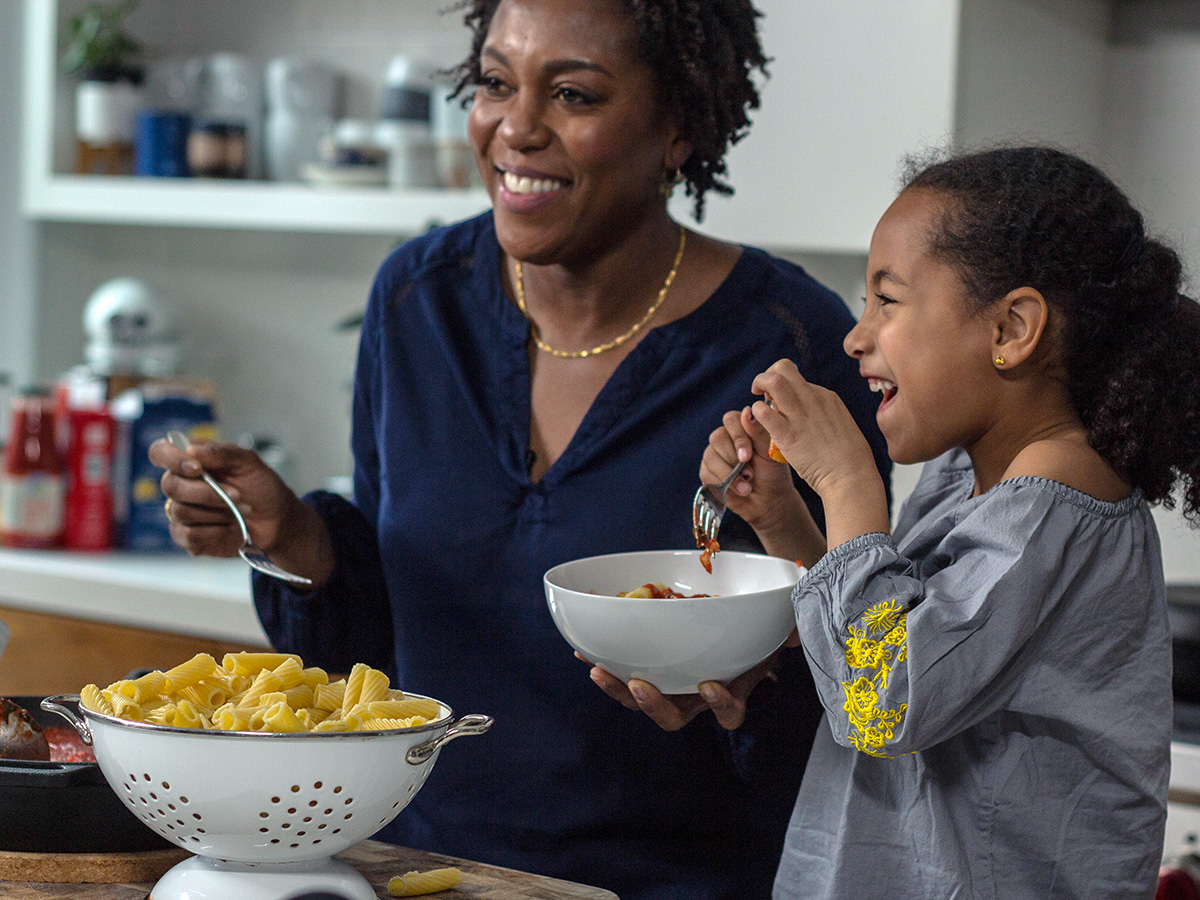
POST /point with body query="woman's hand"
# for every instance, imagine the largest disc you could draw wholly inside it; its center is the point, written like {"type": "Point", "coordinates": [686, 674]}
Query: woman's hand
{"type": "Point", "coordinates": [814, 430]}
{"type": "Point", "coordinates": [672, 712]}
{"type": "Point", "coordinates": [279, 522]}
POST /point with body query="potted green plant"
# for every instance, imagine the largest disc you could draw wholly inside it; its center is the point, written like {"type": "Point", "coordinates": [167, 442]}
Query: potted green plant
{"type": "Point", "coordinates": [108, 63]}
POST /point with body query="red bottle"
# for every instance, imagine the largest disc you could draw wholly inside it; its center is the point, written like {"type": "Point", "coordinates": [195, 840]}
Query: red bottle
{"type": "Point", "coordinates": [89, 504]}
{"type": "Point", "coordinates": [32, 486]}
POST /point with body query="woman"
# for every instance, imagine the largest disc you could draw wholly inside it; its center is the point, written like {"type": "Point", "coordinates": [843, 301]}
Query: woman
{"type": "Point", "coordinates": [535, 385]}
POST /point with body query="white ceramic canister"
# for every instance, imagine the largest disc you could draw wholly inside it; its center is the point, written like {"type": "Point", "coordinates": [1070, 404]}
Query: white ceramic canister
{"type": "Point", "coordinates": [105, 111]}
{"type": "Point", "coordinates": [304, 99]}
{"type": "Point", "coordinates": [411, 158]}
{"type": "Point", "coordinates": [455, 158]}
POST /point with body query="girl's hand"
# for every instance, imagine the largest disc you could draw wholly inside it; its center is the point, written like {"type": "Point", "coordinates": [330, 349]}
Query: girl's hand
{"type": "Point", "coordinates": [813, 429]}
{"type": "Point", "coordinates": [671, 712]}
{"type": "Point", "coordinates": [764, 488]}
{"type": "Point", "coordinates": [822, 442]}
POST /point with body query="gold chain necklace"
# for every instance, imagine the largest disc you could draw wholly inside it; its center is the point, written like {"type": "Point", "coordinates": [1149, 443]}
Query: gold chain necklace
{"type": "Point", "coordinates": [615, 342]}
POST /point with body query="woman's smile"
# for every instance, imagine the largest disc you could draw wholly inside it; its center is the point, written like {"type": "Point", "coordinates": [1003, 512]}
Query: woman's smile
{"type": "Point", "coordinates": [523, 192]}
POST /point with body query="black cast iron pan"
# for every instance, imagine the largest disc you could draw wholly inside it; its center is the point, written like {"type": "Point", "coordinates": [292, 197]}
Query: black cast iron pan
{"type": "Point", "coordinates": [53, 807]}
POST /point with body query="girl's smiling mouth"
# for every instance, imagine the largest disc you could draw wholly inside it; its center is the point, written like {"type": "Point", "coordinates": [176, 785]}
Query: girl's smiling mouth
{"type": "Point", "coordinates": [885, 387]}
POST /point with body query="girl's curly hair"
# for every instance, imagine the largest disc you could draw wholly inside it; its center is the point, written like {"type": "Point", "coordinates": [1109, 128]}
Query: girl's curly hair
{"type": "Point", "coordinates": [1129, 341]}
{"type": "Point", "coordinates": [704, 53]}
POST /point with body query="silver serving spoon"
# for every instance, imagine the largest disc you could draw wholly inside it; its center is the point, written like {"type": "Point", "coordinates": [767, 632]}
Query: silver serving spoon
{"type": "Point", "coordinates": [251, 553]}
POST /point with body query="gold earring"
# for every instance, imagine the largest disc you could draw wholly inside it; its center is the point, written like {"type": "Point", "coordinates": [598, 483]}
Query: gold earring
{"type": "Point", "coordinates": [671, 178]}
{"type": "Point", "coordinates": [999, 360]}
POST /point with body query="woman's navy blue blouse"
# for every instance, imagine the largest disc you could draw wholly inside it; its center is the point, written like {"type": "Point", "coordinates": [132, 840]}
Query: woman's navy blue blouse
{"type": "Point", "coordinates": [440, 560]}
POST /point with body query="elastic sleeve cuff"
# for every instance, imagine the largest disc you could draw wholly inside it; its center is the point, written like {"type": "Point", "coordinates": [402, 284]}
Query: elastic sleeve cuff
{"type": "Point", "coordinates": [828, 563]}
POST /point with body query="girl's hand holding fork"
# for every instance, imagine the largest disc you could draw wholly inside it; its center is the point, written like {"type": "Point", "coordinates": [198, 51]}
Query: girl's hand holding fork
{"type": "Point", "coordinates": [814, 430]}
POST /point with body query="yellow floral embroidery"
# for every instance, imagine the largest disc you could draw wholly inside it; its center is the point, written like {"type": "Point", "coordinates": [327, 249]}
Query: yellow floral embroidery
{"type": "Point", "coordinates": [877, 647]}
{"type": "Point", "coordinates": [883, 616]}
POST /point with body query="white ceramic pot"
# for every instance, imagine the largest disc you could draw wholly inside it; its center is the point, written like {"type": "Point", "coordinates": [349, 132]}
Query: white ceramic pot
{"type": "Point", "coordinates": [105, 111]}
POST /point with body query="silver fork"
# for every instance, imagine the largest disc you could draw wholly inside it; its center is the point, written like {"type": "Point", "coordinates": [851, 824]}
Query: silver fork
{"type": "Point", "coordinates": [709, 507]}
{"type": "Point", "coordinates": [251, 553]}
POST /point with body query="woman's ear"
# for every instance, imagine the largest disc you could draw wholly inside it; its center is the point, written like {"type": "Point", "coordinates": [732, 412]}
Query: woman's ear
{"type": "Point", "coordinates": [1021, 319]}
{"type": "Point", "coordinates": [678, 152]}
{"type": "Point", "coordinates": [678, 145]}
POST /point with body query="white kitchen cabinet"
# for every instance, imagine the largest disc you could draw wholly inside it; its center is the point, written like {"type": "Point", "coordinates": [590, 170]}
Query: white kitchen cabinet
{"type": "Point", "coordinates": [856, 85]}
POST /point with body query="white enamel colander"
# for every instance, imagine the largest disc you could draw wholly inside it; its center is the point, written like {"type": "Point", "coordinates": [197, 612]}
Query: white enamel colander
{"type": "Point", "coordinates": [264, 813]}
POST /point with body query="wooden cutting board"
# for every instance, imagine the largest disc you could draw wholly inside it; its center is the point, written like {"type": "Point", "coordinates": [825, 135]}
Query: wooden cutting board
{"type": "Point", "coordinates": [73, 868]}
{"type": "Point", "coordinates": [377, 861]}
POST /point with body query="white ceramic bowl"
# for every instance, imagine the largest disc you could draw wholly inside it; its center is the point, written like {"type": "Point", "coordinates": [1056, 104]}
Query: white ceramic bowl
{"type": "Point", "coordinates": [674, 644]}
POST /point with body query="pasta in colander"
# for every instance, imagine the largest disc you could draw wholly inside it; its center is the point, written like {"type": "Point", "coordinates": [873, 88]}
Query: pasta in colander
{"type": "Point", "coordinates": [268, 692]}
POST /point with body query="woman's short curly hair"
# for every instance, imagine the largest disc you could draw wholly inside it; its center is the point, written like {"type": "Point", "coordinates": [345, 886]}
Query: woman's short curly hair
{"type": "Point", "coordinates": [1129, 343]}
{"type": "Point", "coordinates": [704, 53]}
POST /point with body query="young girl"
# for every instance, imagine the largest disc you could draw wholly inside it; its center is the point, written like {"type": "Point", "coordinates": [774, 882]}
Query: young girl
{"type": "Point", "coordinates": [996, 672]}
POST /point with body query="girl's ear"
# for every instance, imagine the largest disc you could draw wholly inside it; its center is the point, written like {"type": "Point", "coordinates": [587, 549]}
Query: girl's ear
{"type": "Point", "coordinates": [1021, 319]}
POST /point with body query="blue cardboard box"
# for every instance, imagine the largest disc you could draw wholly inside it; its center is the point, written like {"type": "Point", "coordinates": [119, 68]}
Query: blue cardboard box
{"type": "Point", "coordinates": [144, 415]}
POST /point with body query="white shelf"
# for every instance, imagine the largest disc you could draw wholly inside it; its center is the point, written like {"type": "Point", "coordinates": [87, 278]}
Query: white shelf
{"type": "Point", "coordinates": [252, 205]}
{"type": "Point", "coordinates": [49, 194]}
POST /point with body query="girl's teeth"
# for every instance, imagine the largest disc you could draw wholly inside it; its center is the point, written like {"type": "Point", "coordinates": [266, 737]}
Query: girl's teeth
{"type": "Point", "coordinates": [521, 184]}
{"type": "Point", "coordinates": [879, 385]}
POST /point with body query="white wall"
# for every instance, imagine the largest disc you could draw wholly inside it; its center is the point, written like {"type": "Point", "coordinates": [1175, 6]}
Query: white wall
{"type": "Point", "coordinates": [17, 237]}
{"type": "Point", "coordinates": [262, 323]}
{"type": "Point", "coordinates": [1033, 70]}
{"type": "Point", "coordinates": [1152, 147]}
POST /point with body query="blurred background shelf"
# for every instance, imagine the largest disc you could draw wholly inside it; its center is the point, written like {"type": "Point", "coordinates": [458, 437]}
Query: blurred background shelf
{"type": "Point", "coordinates": [269, 206]}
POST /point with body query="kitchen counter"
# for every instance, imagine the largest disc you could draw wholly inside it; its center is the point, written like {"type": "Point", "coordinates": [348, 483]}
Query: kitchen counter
{"type": "Point", "coordinates": [378, 862]}
{"type": "Point", "coordinates": [169, 592]}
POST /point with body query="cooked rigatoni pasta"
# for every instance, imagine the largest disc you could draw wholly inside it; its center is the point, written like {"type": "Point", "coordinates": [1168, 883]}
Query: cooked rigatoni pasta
{"type": "Point", "coordinates": [329, 696]}
{"type": "Point", "coordinates": [299, 697]}
{"type": "Point", "coordinates": [414, 884]}
{"type": "Point", "coordinates": [354, 683]}
{"type": "Point", "coordinates": [267, 692]}
{"type": "Point", "coordinates": [232, 718]}
{"type": "Point", "coordinates": [253, 663]}
{"type": "Point", "coordinates": [403, 709]}
{"type": "Point", "coordinates": [93, 698]}
{"type": "Point", "coordinates": [191, 672]}
{"type": "Point", "coordinates": [147, 687]}
{"type": "Point", "coordinates": [205, 694]}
